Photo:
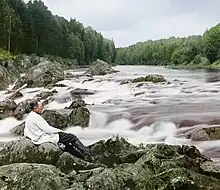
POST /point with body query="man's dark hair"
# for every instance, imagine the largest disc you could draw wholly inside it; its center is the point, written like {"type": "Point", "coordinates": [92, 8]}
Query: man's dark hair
{"type": "Point", "coordinates": [33, 104]}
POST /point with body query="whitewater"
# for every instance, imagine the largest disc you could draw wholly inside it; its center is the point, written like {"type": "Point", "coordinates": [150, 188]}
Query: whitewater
{"type": "Point", "coordinates": [141, 112]}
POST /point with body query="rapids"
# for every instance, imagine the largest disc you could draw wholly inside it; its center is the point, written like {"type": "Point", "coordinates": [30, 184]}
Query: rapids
{"type": "Point", "coordinates": [147, 113]}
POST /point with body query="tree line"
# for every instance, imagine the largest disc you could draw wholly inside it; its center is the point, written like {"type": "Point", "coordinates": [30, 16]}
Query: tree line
{"type": "Point", "coordinates": [193, 50]}
{"type": "Point", "coordinates": [31, 28]}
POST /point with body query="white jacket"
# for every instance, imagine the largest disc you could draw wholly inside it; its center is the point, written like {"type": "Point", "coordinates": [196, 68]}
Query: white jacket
{"type": "Point", "coordinates": [39, 131]}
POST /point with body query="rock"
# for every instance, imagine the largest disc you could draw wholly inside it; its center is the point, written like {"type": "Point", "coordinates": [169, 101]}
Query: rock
{"type": "Point", "coordinates": [120, 165]}
{"type": "Point", "coordinates": [22, 108]}
{"type": "Point", "coordinates": [211, 169]}
{"type": "Point", "coordinates": [77, 103]}
{"type": "Point", "coordinates": [60, 85]}
{"type": "Point", "coordinates": [139, 93]}
{"type": "Point", "coordinates": [79, 117]}
{"type": "Point", "coordinates": [67, 163]}
{"type": "Point", "coordinates": [24, 151]}
{"type": "Point", "coordinates": [150, 78]}
{"type": "Point", "coordinates": [69, 75]}
{"type": "Point", "coordinates": [100, 67]}
{"type": "Point", "coordinates": [16, 95]}
{"type": "Point", "coordinates": [115, 151]}
{"type": "Point", "coordinates": [45, 94]}
{"type": "Point", "coordinates": [202, 133]}
{"type": "Point", "coordinates": [19, 130]}
{"type": "Point", "coordinates": [56, 118]}
{"type": "Point", "coordinates": [80, 92]}
{"type": "Point", "coordinates": [31, 176]}
{"type": "Point", "coordinates": [7, 108]}
{"type": "Point", "coordinates": [41, 75]}
{"type": "Point", "coordinates": [213, 132]}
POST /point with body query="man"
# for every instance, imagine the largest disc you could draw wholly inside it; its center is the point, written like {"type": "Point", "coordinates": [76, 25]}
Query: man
{"type": "Point", "coordinates": [39, 131]}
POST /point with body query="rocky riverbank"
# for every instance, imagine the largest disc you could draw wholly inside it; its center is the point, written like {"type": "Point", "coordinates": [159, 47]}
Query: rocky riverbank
{"type": "Point", "coordinates": [119, 165]}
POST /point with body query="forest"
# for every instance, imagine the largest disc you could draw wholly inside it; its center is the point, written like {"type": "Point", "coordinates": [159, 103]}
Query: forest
{"type": "Point", "coordinates": [193, 51]}
{"type": "Point", "coordinates": [30, 28]}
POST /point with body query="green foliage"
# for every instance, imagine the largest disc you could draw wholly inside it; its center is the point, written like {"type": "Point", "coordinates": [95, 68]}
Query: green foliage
{"type": "Point", "coordinates": [5, 55]}
{"type": "Point", "coordinates": [190, 52]}
{"type": "Point", "coordinates": [212, 43]}
{"type": "Point", "coordinates": [32, 29]}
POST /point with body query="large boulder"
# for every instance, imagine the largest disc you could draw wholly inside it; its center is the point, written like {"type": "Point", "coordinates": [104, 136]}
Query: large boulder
{"type": "Point", "coordinates": [44, 94]}
{"type": "Point", "coordinates": [150, 78]}
{"type": "Point", "coordinates": [31, 177]}
{"type": "Point", "coordinates": [41, 75]}
{"type": "Point", "coordinates": [8, 73]}
{"type": "Point", "coordinates": [100, 67]}
{"type": "Point", "coordinates": [56, 118]}
{"type": "Point", "coordinates": [78, 92]}
{"type": "Point", "coordinates": [22, 108]}
{"type": "Point", "coordinates": [201, 133]}
{"type": "Point", "coordinates": [18, 130]}
{"type": "Point", "coordinates": [78, 116]}
{"type": "Point", "coordinates": [7, 108]}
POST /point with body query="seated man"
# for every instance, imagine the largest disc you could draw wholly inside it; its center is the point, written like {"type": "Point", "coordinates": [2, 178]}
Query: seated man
{"type": "Point", "coordinates": [39, 131]}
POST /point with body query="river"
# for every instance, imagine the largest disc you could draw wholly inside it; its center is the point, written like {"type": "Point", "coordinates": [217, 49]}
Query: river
{"type": "Point", "coordinates": [146, 113]}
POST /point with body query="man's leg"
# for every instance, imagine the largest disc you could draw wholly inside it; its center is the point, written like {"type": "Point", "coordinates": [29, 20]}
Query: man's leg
{"type": "Point", "coordinates": [69, 139]}
{"type": "Point", "coordinates": [72, 150]}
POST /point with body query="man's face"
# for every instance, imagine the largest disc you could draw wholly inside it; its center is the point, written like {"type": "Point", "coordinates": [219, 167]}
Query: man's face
{"type": "Point", "coordinates": [39, 108]}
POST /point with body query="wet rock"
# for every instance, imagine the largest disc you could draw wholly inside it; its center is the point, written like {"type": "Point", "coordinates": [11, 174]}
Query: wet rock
{"type": "Point", "coordinates": [41, 75]}
{"type": "Point", "coordinates": [16, 95]}
{"type": "Point", "coordinates": [126, 81]}
{"type": "Point", "coordinates": [76, 104]}
{"type": "Point", "coordinates": [56, 118]}
{"type": "Point", "coordinates": [19, 130]}
{"type": "Point", "coordinates": [80, 92]}
{"type": "Point", "coordinates": [150, 78]}
{"type": "Point", "coordinates": [45, 94]}
{"type": "Point", "coordinates": [213, 132]}
{"type": "Point", "coordinates": [22, 108]}
{"type": "Point", "coordinates": [7, 108]}
{"type": "Point", "coordinates": [69, 75]}
{"type": "Point", "coordinates": [79, 117]}
{"type": "Point", "coordinates": [60, 85]}
{"type": "Point", "coordinates": [87, 80]}
{"type": "Point", "coordinates": [100, 67]}
{"type": "Point", "coordinates": [139, 93]}
{"type": "Point", "coordinates": [202, 133]}
{"type": "Point", "coordinates": [31, 176]}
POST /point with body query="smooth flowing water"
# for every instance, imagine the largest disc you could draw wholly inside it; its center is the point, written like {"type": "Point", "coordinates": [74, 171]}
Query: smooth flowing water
{"type": "Point", "coordinates": [142, 113]}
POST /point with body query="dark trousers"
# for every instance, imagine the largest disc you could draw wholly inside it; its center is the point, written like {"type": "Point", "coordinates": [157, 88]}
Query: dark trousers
{"type": "Point", "coordinates": [73, 145]}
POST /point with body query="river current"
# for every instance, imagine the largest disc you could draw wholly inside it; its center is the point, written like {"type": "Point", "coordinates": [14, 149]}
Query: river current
{"type": "Point", "coordinates": [141, 113]}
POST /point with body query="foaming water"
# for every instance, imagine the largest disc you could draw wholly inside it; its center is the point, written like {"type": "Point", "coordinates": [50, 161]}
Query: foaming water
{"type": "Point", "coordinates": [117, 110]}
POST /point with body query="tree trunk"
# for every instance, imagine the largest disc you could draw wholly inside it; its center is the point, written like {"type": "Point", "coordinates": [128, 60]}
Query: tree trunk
{"type": "Point", "coordinates": [9, 35]}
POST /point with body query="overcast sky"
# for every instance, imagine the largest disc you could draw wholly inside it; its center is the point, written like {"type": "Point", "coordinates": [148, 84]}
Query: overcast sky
{"type": "Point", "coordinates": [130, 21]}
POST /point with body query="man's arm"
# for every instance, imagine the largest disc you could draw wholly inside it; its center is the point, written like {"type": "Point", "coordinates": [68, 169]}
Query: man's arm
{"type": "Point", "coordinates": [44, 126]}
